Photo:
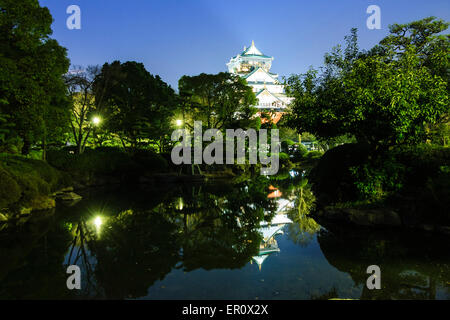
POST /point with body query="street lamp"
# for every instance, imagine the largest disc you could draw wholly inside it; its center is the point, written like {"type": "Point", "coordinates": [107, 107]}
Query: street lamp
{"type": "Point", "coordinates": [96, 121]}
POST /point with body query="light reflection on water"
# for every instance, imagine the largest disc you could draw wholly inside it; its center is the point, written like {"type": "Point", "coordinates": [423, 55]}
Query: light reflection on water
{"type": "Point", "coordinates": [214, 242]}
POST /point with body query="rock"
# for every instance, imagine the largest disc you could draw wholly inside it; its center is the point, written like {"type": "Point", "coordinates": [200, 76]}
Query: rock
{"type": "Point", "coordinates": [363, 217]}
{"type": "Point", "coordinates": [373, 217]}
{"type": "Point", "coordinates": [69, 196]}
{"type": "Point", "coordinates": [25, 211]}
{"type": "Point", "coordinates": [42, 203]}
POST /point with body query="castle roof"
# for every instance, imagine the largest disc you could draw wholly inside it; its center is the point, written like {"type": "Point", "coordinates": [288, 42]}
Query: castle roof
{"type": "Point", "coordinates": [252, 51]}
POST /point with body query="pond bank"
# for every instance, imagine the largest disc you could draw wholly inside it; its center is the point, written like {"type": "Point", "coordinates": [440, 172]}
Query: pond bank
{"type": "Point", "coordinates": [376, 218]}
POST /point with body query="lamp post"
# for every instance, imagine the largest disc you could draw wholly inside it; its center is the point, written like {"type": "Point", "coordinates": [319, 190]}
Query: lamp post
{"type": "Point", "coordinates": [96, 120]}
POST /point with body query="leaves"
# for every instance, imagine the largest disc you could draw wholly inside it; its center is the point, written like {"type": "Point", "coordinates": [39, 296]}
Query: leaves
{"type": "Point", "coordinates": [388, 95]}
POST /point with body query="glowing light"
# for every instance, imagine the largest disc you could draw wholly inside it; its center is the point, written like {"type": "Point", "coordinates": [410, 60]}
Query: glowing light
{"type": "Point", "coordinates": [179, 123]}
{"type": "Point", "coordinates": [180, 204]}
{"type": "Point", "coordinates": [96, 120]}
{"type": "Point", "coordinates": [98, 222]}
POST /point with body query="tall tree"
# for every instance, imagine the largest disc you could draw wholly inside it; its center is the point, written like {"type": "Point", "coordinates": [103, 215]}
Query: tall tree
{"type": "Point", "coordinates": [138, 106]}
{"type": "Point", "coordinates": [383, 97]}
{"type": "Point", "coordinates": [32, 92]}
{"type": "Point", "coordinates": [220, 100]}
{"type": "Point", "coordinates": [80, 83]}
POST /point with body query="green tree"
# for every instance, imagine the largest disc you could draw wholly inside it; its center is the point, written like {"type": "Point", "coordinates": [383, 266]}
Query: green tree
{"type": "Point", "coordinates": [4, 127]}
{"type": "Point", "coordinates": [384, 97]}
{"type": "Point", "coordinates": [31, 67]}
{"type": "Point", "coordinates": [80, 83]}
{"type": "Point", "coordinates": [220, 100]}
{"type": "Point", "coordinates": [138, 106]}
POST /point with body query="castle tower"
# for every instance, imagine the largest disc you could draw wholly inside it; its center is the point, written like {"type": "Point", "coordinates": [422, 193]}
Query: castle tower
{"type": "Point", "coordinates": [252, 65]}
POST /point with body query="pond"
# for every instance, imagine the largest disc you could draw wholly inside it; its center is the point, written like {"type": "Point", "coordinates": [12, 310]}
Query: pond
{"type": "Point", "coordinates": [250, 240]}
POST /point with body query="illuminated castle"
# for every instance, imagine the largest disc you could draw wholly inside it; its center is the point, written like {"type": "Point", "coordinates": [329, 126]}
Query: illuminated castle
{"type": "Point", "coordinates": [254, 66]}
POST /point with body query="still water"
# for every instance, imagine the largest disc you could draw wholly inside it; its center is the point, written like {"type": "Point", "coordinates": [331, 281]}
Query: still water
{"type": "Point", "coordinates": [250, 240]}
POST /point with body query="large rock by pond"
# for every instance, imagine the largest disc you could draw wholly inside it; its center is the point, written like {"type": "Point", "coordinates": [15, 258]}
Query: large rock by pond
{"type": "Point", "coordinates": [67, 195]}
{"type": "Point", "coordinates": [364, 217]}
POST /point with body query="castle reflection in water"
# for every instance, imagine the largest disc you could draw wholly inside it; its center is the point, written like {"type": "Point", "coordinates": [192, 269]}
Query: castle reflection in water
{"type": "Point", "coordinates": [269, 230]}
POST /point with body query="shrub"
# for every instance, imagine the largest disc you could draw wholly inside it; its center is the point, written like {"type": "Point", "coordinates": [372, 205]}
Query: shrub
{"type": "Point", "coordinates": [332, 179]}
{"type": "Point", "coordinates": [151, 161]}
{"type": "Point", "coordinates": [313, 155]}
{"type": "Point", "coordinates": [10, 191]}
{"type": "Point", "coordinates": [27, 179]}
{"type": "Point", "coordinates": [107, 161]}
{"type": "Point", "coordinates": [283, 156]}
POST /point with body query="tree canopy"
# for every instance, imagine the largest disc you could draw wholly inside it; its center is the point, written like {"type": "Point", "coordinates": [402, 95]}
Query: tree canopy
{"type": "Point", "coordinates": [220, 100]}
{"type": "Point", "coordinates": [386, 96]}
{"type": "Point", "coordinates": [32, 91]}
{"type": "Point", "coordinates": [137, 105]}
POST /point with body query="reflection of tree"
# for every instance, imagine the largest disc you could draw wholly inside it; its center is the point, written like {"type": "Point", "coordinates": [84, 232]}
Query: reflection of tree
{"type": "Point", "coordinates": [411, 268]}
{"type": "Point", "coordinates": [80, 255]}
{"type": "Point", "coordinates": [222, 233]}
{"type": "Point", "coordinates": [135, 249]}
{"type": "Point", "coordinates": [209, 227]}
{"type": "Point", "coordinates": [304, 228]}
{"type": "Point", "coordinates": [32, 260]}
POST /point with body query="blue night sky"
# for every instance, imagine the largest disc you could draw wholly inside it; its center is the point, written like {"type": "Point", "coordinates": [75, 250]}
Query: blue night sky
{"type": "Point", "coordinates": [187, 37]}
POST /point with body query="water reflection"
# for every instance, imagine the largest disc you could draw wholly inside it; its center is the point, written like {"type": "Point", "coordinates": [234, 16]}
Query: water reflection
{"type": "Point", "coordinates": [203, 241]}
{"type": "Point", "coordinates": [268, 231]}
{"type": "Point", "coordinates": [413, 266]}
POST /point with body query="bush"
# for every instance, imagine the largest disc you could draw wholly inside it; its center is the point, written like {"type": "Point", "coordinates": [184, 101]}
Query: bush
{"type": "Point", "coordinates": [413, 179]}
{"type": "Point", "coordinates": [10, 191]}
{"type": "Point", "coordinates": [107, 161]}
{"type": "Point", "coordinates": [150, 161]}
{"type": "Point", "coordinates": [298, 154]}
{"type": "Point", "coordinates": [23, 180]}
{"type": "Point", "coordinates": [313, 155]}
{"type": "Point", "coordinates": [283, 156]}
{"type": "Point", "coordinates": [332, 179]}
{"type": "Point", "coordinates": [400, 169]}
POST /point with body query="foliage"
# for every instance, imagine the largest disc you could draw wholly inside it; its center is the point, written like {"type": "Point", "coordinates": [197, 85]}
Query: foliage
{"type": "Point", "coordinates": [220, 100]}
{"type": "Point", "coordinates": [119, 163]}
{"type": "Point", "coordinates": [387, 96]}
{"type": "Point", "coordinates": [80, 86]}
{"type": "Point", "coordinates": [4, 127]}
{"type": "Point", "coordinates": [35, 104]}
{"type": "Point", "coordinates": [413, 179]}
{"type": "Point", "coordinates": [138, 107]}
{"type": "Point", "coordinates": [24, 180]}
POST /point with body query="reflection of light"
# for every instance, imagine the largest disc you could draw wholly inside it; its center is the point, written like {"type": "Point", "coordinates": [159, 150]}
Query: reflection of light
{"type": "Point", "coordinates": [180, 204]}
{"type": "Point", "coordinates": [275, 194]}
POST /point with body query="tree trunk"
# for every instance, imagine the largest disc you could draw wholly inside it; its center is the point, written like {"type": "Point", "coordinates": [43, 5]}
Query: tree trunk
{"type": "Point", "coordinates": [44, 149]}
{"type": "Point", "coordinates": [26, 147]}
